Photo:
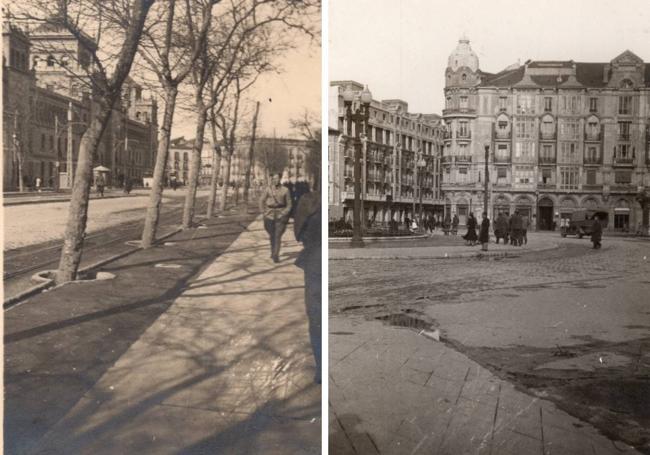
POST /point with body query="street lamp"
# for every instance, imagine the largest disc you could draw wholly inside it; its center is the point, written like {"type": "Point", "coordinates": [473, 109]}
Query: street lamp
{"type": "Point", "coordinates": [357, 110]}
{"type": "Point", "coordinates": [421, 164]}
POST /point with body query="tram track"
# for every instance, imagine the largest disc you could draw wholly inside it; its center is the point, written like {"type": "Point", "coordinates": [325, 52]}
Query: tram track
{"type": "Point", "coordinates": [20, 262]}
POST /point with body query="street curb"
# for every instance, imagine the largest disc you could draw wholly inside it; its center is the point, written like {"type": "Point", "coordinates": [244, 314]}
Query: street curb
{"type": "Point", "coordinates": [12, 301]}
{"type": "Point", "coordinates": [6, 203]}
{"type": "Point", "coordinates": [511, 253]}
{"type": "Point", "coordinates": [405, 237]}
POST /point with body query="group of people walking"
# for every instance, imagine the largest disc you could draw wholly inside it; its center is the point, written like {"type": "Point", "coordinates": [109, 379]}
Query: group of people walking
{"type": "Point", "coordinates": [513, 228]}
{"type": "Point", "coordinates": [483, 237]}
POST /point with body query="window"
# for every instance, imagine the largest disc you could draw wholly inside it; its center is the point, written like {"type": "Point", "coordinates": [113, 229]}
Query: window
{"type": "Point", "coordinates": [523, 174]}
{"type": "Point", "coordinates": [463, 129]}
{"type": "Point", "coordinates": [548, 103]}
{"type": "Point", "coordinates": [502, 153]}
{"type": "Point", "coordinates": [50, 60]}
{"type": "Point", "coordinates": [464, 77]}
{"type": "Point", "coordinates": [546, 176]}
{"type": "Point", "coordinates": [593, 104]}
{"type": "Point", "coordinates": [591, 155]}
{"type": "Point", "coordinates": [525, 129]}
{"type": "Point", "coordinates": [569, 129]}
{"type": "Point", "coordinates": [547, 127]}
{"type": "Point", "coordinates": [624, 105]}
{"type": "Point", "coordinates": [571, 104]}
{"type": "Point", "coordinates": [502, 172]}
{"type": "Point", "coordinates": [525, 104]}
{"type": "Point", "coordinates": [43, 142]}
{"type": "Point", "coordinates": [623, 177]}
{"type": "Point", "coordinates": [503, 102]}
{"type": "Point", "coordinates": [462, 170]}
{"type": "Point", "coordinates": [448, 101]}
{"type": "Point", "coordinates": [623, 131]}
{"type": "Point", "coordinates": [569, 178]}
{"type": "Point", "coordinates": [464, 102]}
{"type": "Point", "coordinates": [591, 177]}
{"type": "Point", "coordinates": [568, 152]}
{"type": "Point", "coordinates": [546, 154]}
{"type": "Point", "coordinates": [525, 150]}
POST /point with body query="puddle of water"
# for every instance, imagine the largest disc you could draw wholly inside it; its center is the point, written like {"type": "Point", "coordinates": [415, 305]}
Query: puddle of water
{"type": "Point", "coordinates": [404, 320]}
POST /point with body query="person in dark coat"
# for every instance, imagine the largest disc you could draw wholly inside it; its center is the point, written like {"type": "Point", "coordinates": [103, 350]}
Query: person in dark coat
{"type": "Point", "coordinates": [471, 237]}
{"type": "Point", "coordinates": [307, 229]}
{"type": "Point", "coordinates": [484, 235]}
{"type": "Point", "coordinates": [454, 225]}
{"type": "Point", "coordinates": [596, 233]}
{"type": "Point", "coordinates": [516, 226]}
{"type": "Point", "coordinates": [275, 205]}
{"type": "Point", "coordinates": [501, 228]}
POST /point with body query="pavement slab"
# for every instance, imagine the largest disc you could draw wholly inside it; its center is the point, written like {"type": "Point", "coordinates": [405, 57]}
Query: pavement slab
{"type": "Point", "coordinates": [379, 405]}
{"type": "Point", "coordinates": [226, 367]}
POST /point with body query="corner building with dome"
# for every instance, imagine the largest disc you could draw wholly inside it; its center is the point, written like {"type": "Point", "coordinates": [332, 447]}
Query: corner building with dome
{"type": "Point", "coordinates": [562, 135]}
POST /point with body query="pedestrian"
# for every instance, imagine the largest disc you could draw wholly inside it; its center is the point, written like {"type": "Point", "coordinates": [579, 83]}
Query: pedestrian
{"type": "Point", "coordinates": [99, 184]}
{"type": "Point", "coordinates": [414, 226]}
{"type": "Point", "coordinates": [128, 185]}
{"type": "Point", "coordinates": [275, 205]}
{"type": "Point", "coordinates": [470, 237]}
{"type": "Point", "coordinates": [501, 228]}
{"type": "Point", "coordinates": [484, 234]}
{"type": "Point", "coordinates": [454, 224]}
{"type": "Point", "coordinates": [596, 233]}
{"type": "Point", "coordinates": [515, 226]}
{"type": "Point", "coordinates": [307, 229]}
{"type": "Point", "coordinates": [407, 223]}
{"type": "Point", "coordinates": [38, 184]}
{"type": "Point", "coordinates": [446, 224]}
{"type": "Point", "coordinates": [525, 224]}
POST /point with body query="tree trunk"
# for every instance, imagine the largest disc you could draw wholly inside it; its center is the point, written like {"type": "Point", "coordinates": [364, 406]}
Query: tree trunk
{"type": "Point", "coordinates": [216, 168]}
{"type": "Point", "coordinates": [195, 166]}
{"type": "Point", "coordinates": [21, 184]}
{"type": "Point", "coordinates": [78, 211]}
{"type": "Point", "coordinates": [155, 199]}
{"type": "Point", "coordinates": [226, 179]}
{"type": "Point", "coordinates": [251, 155]}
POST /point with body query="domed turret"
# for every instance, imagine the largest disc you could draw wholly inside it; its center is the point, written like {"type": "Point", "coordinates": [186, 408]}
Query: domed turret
{"type": "Point", "coordinates": [463, 56]}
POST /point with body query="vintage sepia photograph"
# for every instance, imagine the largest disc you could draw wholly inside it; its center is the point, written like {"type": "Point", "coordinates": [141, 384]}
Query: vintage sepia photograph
{"type": "Point", "coordinates": [161, 178]}
{"type": "Point", "coordinates": [488, 220]}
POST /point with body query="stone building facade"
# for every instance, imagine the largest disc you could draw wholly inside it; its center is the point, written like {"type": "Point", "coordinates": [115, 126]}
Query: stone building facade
{"type": "Point", "coordinates": [562, 135]}
{"type": "Point", "coordinates": [400, 161]}
{"type": "Point", "coordinates": [46, 107]}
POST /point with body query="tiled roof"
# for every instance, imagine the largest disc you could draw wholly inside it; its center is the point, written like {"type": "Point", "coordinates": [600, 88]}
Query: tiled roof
{"type": "Point", "coordinates": [587, 74]}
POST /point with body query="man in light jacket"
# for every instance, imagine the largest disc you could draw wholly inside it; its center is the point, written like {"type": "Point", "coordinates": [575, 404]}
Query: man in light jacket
{"type": "Point", "coordinates": [275, 205]}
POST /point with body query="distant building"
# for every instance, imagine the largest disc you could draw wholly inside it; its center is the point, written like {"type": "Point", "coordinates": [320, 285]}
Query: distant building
{"type": "Point", "coordinates": [562, 135]}
{"type": "Point", "coordinates": [400, 162]}
{"type": "Point", "coordinates": [46, 109]}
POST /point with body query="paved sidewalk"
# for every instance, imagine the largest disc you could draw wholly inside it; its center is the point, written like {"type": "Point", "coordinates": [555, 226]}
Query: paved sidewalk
{"type": "Point", "coordinates": [535, 243]}
{"type": "Point", "coordinates": [394, 391]}
{"type": "Point", "coordinates": [226, 369]}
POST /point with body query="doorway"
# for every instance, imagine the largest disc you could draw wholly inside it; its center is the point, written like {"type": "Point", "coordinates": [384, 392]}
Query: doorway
{"type": "Point", "coordinates": [545, 215]}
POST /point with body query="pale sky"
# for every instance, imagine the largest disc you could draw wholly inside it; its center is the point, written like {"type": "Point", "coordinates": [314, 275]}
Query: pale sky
{"type": "Point", "coordinates": [296, 88]}
{"type": "Point", "coordinates": [400, 47]}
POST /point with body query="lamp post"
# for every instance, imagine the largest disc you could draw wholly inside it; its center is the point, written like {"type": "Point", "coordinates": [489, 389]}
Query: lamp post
{"type": "Point", "coordinates": [357, 111]}
{"type": "Point", "coordinates": [421, 163]}
{"type": "Point", "coordinates": [487, 179]}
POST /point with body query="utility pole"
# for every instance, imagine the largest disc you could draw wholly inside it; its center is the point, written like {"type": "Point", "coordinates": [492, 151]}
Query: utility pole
{"type": "Point", "coordinates": [58, 152]}
{"type": "Point", "coordinates": [251, 155]}
{"type": "Point", "coordinates": [17, 157]}
{"type": "Point", "coordinates": [69, 169]}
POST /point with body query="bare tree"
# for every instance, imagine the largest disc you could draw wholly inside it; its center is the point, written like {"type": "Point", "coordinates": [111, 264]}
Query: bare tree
{"type": "Point", "coordinates": [239, 46]}
{"type": "Point", "coordinates": [308, 127]}
{"type": "Point", "coordinates": [216, 164]}
{"type": "Point", "coordinates": [171, 55]}
{"type": "Point", "coordinates": [251, 154]}
{"type": "Point", "coordinates": [104, 72]}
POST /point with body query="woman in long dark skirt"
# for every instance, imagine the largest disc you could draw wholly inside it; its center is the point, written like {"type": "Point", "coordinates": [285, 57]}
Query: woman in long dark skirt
{"type": "Point", "coordinates": [471, 237]}
{"type": "Point", "coordinates": [484, 234]}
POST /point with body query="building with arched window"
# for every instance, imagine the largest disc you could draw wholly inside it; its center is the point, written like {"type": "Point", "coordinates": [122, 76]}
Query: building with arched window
{"type": "Point", "coordinates": [562, 135]}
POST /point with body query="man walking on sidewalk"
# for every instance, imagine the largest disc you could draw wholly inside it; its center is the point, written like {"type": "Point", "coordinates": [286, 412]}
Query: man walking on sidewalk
{"type": "Point", "coordinates": [275, 205]}
{"type": "Point", "coordinates": [307, 228]}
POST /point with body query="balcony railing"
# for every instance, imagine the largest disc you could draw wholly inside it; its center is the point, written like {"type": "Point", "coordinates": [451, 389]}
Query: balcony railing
{"type": "Point", "coordinates": [546, 159]}
{"type": "Point", "coordinates": [459, 110]}
{"type": "Point", "coordinates": [623, 187]}
{"type": "Point", "coordinates": [463, 159]}
{"type": "Point", "coordinates": [546, 186]}
{"type": "Point", "coordinates": [623, 160]}
{"type": "Point", "coordinates": [547, 136]}
{"type": "Point", "coordinates": [446, 159]}
{"type": "Point", "coordinates": [447, 135]}
{"type": "Point", "coordinates": [593, 160]}
{"type": "Point", "coordinates": [592, 187]}
{"type": "Point", "coordinates": [592, 137]}
{"type": "Point", "coordinates": [464, 135]}
{"type": "Point", "coordinates": [624, 136]}
{"type": "Point", "coordinates": [502, 158]}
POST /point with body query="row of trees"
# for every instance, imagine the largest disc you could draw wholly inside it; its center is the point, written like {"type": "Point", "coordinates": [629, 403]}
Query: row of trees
{"type": "Point", "coordinates": [200, 55]}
